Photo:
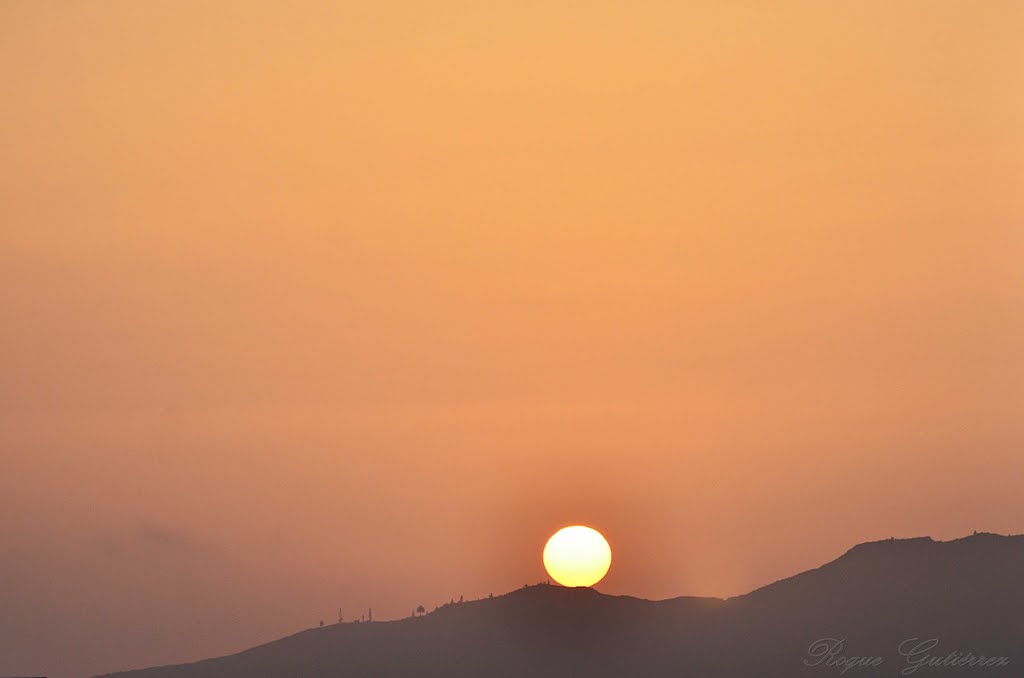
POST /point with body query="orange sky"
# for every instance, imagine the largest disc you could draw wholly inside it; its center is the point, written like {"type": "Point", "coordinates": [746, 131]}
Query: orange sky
{"type": "Point", "coordinates": [306, 306]}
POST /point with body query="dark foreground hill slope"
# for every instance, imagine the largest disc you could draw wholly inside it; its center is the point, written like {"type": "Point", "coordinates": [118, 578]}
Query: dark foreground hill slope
{"type": "Point", "coordinates": [968, 594]}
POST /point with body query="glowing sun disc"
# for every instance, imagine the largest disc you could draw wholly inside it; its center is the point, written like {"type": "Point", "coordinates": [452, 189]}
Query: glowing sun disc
{"type": "Point", "coordinates": [577, 556]}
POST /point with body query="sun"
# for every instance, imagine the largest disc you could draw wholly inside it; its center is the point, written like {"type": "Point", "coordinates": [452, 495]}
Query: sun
{"type": "Point", "coordinates": [577, 556]}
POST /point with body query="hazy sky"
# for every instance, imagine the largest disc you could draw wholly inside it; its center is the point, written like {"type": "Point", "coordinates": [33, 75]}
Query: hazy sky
{"type": "Point", "coordinates": [307, 306]}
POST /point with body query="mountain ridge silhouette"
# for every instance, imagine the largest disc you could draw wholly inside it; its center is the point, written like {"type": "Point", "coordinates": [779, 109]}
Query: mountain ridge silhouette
{"type": "Point", "coordinates": [968, 593]}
